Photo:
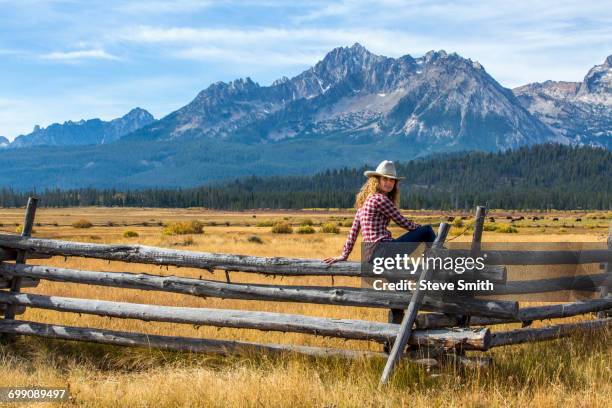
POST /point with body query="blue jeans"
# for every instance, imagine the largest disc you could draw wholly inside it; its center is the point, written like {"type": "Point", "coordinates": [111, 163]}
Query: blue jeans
{"type": "Point", "coordinates": [424, 233]}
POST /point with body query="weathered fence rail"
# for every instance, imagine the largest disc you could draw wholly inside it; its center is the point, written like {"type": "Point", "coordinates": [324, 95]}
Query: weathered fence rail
{"type": "Point", "coordinates": [202, 260]}
{"type": "Point", "coordinates": [519, 336]}
{"type": "Point", "coordinates": [524, 315]}
{"type": "Point", "coordinates": [11, 255]}
{"type": "Point", "coordinates": [164, 342]}
{"type": "Point", "coordinates": [471, 339]}
{"type": "Point", "coordinates": [341, 296]}
{"type": "Point", "coordinates": [453, 325]}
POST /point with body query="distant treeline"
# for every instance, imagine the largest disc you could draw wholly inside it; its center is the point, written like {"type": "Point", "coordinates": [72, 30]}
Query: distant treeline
{"type": "Point", "coordinates": [537, 177]}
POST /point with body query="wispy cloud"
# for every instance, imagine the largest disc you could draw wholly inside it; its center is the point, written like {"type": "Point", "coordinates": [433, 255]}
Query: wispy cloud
{"type": "Point", "coordinates": [252, 58]}
{"type": "Point", "coordinates": [72, 56]}
{"type": "Point", "coordinates": [513, 54]}
{"type": "Point", "coordinates": [152, 34]}
{"type": "Point", "coordinates": [275, 40]}
{"type": "Point", "coordinates": [328, 10]}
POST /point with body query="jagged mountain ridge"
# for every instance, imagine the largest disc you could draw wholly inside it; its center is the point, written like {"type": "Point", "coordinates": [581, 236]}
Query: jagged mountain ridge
{"type": "Point", "coordinates": [580, 112]}
{"type": "Point", "coordinates": [85, 132]}
{"type": "Point", "coordinates": [351, 107]}
{"type": "Point", "coordinates": [438, 101]}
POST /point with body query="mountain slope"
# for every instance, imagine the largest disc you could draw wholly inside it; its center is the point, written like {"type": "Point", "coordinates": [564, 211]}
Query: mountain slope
{"type": "Point", "coordinates": [438, 101]}
{"type": "Point", "coordinates": [580, 112]}
{"type": "Point", "coordinates": [85, 132]}
{"type": "Point", "coordinates": [351, 107]}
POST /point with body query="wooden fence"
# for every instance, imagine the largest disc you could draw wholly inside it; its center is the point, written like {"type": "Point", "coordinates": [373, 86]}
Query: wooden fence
{"type": "Point", "coordinates": [452, 326]}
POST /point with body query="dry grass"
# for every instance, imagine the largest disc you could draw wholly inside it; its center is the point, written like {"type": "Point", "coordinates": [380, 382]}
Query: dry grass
{"type": "Point", "coordinates": [282, 228]}
{"type": "Point", "coordinates": [572, 371]}
{"type": "Point", "coordinates": [330, 228]}
{"type": "Point", "coordinates": [182, 227]}
{"type": "Point", "coordinates": [82, 224]}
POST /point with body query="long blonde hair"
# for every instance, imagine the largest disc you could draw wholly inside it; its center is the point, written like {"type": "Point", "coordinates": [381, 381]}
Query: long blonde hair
{"type": "Point", "coordinates": [372, 186]}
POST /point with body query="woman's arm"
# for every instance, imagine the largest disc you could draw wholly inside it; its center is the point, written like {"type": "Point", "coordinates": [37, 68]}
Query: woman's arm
{"type": "Point", "coordinates": [386, 206]}
{"type": "Point", "coordinates": [352, 237]}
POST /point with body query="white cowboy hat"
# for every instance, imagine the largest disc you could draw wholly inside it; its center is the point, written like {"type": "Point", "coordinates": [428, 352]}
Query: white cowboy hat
{"type": "Point", "coordinates": [385, 168]}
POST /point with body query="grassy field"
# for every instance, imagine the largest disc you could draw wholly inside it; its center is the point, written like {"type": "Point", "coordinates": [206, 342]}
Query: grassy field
{"type": "Point", "coordinates": [575, 372]}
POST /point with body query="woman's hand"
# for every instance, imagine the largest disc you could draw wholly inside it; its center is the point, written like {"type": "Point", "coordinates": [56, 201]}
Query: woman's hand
{"type": "Point", "coordinates": [333, 259]}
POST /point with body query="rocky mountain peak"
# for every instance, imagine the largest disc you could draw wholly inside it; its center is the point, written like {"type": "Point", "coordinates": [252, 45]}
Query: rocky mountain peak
{"type": "Point", "coordinates": [432, 56]}
{"type": "Point", "coordinates": [243, 83]}
{"type": "Point", "coordinates": [85, 132]}
{"type": "Point", "coordinates": [553, 89]}
{"type": "Point", "coordinates": [345, 61]}
{"type": "Point", "coordinates": [136, 111]}
{"type": "Point", "coordinates": [222, 91]}
{"type": "Point", "coordinates": [135, 119]}
{"type": "Point", "coordinates": [597, 84]}
{"type": "Point", "coordinates": [358, 50]}
{"type": "Point", "coordinates": [354, 51]}
{"type": "Point", "coordinates": [138, 114]}
{"type": "Point", "coordinates": [439, 98]}
{"type": "Point", "coordinates": [580, 112]}
{"type": "Point", "coordinates": [280, 81]}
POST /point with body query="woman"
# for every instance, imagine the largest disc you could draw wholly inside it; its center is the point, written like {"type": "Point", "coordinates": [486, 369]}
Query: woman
{"type": "Point", "coordinates": [377, 202]}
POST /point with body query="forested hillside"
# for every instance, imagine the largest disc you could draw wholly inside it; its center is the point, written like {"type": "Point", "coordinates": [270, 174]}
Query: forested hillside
{"type": "Point", "coordinates": [536, 177]}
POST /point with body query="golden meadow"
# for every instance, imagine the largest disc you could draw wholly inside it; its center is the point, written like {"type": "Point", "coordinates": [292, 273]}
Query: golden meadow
{"type": "Point", "coordinates": [575, 371]}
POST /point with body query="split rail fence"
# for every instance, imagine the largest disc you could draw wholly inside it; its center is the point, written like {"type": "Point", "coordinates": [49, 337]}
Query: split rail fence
{"type": "Point", "coordinates": [451, 326]}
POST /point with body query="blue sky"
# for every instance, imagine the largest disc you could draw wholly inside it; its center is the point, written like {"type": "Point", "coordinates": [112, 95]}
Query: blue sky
{"type": "Point", "coordinates": [68, 60]}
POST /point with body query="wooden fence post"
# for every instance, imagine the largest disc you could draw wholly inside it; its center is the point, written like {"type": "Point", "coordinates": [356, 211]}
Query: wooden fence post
{"type": "Point", "coordinates": [479, 221]}
{"type": "Point", "coordinates": [28, 223]}
{"type": "Point", "coordinates": [605, 289]}
{"type": "Point", "coordinates": [413, 308]}
{"type": "Point", "coordinates": [481, 212]}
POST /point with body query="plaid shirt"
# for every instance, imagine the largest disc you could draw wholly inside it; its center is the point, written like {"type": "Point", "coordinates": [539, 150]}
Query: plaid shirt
{"type": "Point", "coordinates": [373, 218]}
